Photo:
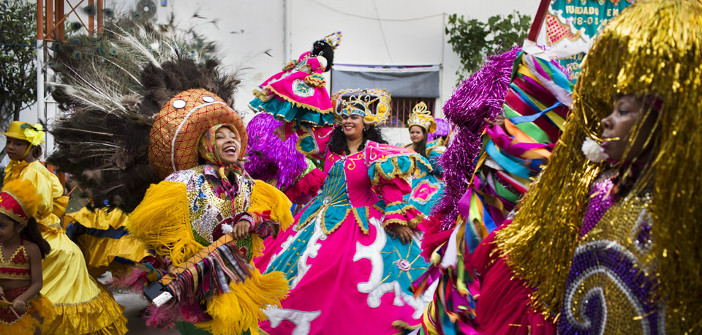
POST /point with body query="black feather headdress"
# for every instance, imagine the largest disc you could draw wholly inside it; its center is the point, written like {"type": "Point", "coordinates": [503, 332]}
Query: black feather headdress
{"type": "Point", "coordinates": [110, 89]}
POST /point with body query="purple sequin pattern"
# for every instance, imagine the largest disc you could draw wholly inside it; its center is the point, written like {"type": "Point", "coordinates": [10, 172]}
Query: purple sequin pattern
{"type": "Point", "coordinates": [269, 158]}
{"type": "Point", "coordinates": [606, 278]}
{"type": "Point", "coordinates": [600, 201]}
{"type": "Point", "coordinates": [476, 98]}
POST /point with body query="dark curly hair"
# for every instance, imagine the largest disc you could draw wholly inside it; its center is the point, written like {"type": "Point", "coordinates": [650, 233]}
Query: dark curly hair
{"type": "Point", "coordinates": [338, 145]}
{"type": "Point", "coordinates": [321, 48]}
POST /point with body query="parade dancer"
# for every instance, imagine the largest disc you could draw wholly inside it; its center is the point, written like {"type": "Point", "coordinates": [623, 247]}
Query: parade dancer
{"type": "Point", "coordinates": [352, 252]}
{"type": "Point", "coordinates": [426, 187]}
{"type": "Point", "coordinates": [167, 148]}
{"type": "Point", "coordinates": [593, 247]}
{"type": "Point", "coordinates": [85, 306]}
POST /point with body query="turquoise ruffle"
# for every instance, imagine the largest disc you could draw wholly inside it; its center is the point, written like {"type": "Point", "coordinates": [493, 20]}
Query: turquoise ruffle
{"type": "Point", "coordinates": [287, 112]}
{"type": "Point", "coordinates": [306, 143]}
{"type": "Point", "coordinates": [397, 166]}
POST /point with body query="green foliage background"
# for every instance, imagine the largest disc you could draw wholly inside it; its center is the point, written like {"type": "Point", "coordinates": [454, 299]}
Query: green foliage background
{"type": "Point", "coordinates": [473, 39]}
{"type": "Point", "coordinates": [18, 76]}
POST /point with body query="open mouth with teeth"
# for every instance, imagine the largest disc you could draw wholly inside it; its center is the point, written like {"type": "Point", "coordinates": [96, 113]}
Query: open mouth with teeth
{"type": "Point", "coordinates": [230, 150]}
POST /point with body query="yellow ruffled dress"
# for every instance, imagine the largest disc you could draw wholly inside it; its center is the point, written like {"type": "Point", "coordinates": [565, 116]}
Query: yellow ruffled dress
{"type": "Point", "coordinates": [102, 236]}
{"type": "Point", "coordinates": [82, 304]}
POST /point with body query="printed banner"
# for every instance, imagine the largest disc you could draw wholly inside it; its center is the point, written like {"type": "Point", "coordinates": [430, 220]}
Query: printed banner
{"type": "Point", "coordinates": [570, 27]}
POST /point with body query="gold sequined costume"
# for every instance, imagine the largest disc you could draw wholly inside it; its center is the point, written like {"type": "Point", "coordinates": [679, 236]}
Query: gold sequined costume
{"type": "Point", "coordinates": [653, 49]}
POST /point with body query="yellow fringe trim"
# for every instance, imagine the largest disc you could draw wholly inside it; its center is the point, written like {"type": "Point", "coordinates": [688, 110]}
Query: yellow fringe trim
{"type": "Point", "coordinates": [162, 222]}
{"type": "Point", "coordinates": [265, 197]}
{"type": "Point", "coordinates": [316, 80]}
{"type": "Point", "coordinates": [101, 316]}
{"type": "Point", "coordinates": [99, 252]}
{"type": "Point", "coordinates": [256, 246]}
{"type": "Point", "coordinates": [261, 95]}
{"type": "Point", "coordinates": [242, 308]}
{"type": "Point", "coordinates": [28, 324]}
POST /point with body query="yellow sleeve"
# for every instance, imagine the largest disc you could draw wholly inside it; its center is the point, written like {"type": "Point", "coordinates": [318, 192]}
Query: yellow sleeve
{"type": "Point", "coordinates": [266, 199]}
{"type": "Point", "coordinates": [162, 222]}
{"type": "Point", "coordinates": [53, 203]}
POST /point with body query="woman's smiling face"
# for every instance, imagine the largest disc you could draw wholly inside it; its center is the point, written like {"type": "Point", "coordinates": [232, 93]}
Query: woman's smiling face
{"type": "Point", "coordinates": [416, 134]}
{"type": "Point", "coordinates": [227, 145]}
{"type": "Point", "coordinates": [352, 125]}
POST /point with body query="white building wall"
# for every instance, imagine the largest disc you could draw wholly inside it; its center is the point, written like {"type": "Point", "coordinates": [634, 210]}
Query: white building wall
{"type": "Point", "coordinates": [376, 32]}
{"type": "Point", "coordinates": [252, 35]}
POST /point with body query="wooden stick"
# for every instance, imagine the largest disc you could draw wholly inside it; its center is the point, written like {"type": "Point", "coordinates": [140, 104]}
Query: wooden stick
{"type": "Point", "coordinates": [11, 308]}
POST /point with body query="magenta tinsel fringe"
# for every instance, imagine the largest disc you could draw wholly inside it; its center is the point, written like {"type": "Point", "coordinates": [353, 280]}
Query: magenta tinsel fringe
{"type": "Point", "coordinates": [479, 97]}
{"type": "Point", "coordinates": [442, 129]}
{"type": "Point", "coordinates": [269, 157]}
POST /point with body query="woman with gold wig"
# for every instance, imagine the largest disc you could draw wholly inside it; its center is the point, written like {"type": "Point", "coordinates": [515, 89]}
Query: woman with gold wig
{"type": "Point", "coordinates": [606, 240]}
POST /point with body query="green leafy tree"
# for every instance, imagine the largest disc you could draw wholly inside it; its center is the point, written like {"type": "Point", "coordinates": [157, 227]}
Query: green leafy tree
{"type": "Point", "coordinates": [18, 75]}
{"type": "Point", "coordinates": [472, 39]}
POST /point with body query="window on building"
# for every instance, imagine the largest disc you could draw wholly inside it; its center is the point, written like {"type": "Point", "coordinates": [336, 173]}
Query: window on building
{"type": "Point", "coordinates": [408, 85]}
{"type": "Point", "coordinates": [401, 108]}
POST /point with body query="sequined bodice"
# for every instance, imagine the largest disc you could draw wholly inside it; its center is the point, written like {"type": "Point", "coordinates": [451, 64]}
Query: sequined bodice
{"type": "Point", "coordinates": [612, 276]}
{"type": "Point", "coordinates": [351, 172]}
{"type": "Point", "coordinates": [17, 266]}
{"type": "Point", "coordinates": [209, 203]}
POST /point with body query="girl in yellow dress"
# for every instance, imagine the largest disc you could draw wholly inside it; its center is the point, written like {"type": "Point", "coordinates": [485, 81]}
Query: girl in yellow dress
{"type": "Point", "coordinates": [22, 308]}
{"type": "Point", "coordinates": [83, 305]}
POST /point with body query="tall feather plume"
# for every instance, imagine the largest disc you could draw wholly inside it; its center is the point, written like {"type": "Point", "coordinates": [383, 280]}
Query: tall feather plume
{"type": "Point", "coordinates": [110, 88]}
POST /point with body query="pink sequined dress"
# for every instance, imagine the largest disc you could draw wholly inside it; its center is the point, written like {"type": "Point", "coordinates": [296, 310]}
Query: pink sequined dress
{"type": "Point", "coordinates": [347, 275]}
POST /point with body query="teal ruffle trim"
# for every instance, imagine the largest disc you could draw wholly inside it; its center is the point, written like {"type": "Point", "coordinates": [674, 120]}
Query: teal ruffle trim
{"type": "Point", "coordinates": [286, 112]}
{"type": "Point", "coordinates": [306, 143]}
{"type": "Point", "coordinates": [398, 207]}
{"type": "Point", "coordinates": [397, 166]}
